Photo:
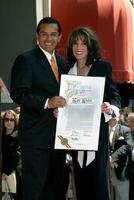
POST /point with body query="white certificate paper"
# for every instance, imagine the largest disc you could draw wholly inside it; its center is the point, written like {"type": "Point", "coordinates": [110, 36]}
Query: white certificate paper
{"type": "Point", "coordinates": [78, 123]}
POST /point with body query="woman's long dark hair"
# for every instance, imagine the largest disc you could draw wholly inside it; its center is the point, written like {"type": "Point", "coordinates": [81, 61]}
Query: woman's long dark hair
{"type": "Point", "coordinates": [89, 37]}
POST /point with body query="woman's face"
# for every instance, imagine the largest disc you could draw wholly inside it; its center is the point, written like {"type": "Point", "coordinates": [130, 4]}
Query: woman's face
{"type": "Point", "coordinates": [80, 50]}
{"type": "Point", "coordinates": [9, 122]}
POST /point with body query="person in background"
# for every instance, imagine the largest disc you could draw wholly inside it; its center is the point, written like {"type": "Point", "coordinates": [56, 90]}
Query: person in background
{"type": "Point", "coordinates": [66, 182]}
{"type": "Point", "coordinates": [84, 59]}
{"type": "Point", "coordinates": [35, 79]}
{"type": "Point", "coordinates": [122, 119]}
{"type": "Point", "coordinates": [0, 156]}
{"type": "Point", "coordinates": [120, 147]}
{"type": "Point", "coordinates": [17, 110]}
{"type": "Point", "coordinates": [130, 120]}
{"type": "Point", "coordinates": [10, 147]}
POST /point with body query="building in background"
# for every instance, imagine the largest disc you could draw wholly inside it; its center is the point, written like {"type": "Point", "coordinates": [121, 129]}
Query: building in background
{"type": "Point", "coordinates": [113, 21]}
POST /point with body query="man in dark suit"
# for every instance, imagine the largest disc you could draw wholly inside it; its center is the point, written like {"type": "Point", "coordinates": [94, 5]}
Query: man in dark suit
{"type": "Point", "coordinates": [120, 145]}
{"type": "Point", "coordinates": [35, 88]}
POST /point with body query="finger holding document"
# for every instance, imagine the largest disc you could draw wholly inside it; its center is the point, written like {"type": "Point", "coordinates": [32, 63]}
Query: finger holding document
{"type": "Point", "coordinates": [56, 102]}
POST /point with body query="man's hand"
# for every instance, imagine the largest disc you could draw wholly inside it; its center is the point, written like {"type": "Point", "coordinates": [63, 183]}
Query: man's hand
{"type": "Point", "coordinates": [55, 112]}
{"type": "Point", "coordinates": [56, 102]}
{"type": "Point", "coordinates": [113, 164]}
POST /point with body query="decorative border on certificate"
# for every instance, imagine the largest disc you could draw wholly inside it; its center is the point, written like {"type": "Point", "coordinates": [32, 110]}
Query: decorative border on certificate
{"type": "Point", "coordinates": [78, 123]}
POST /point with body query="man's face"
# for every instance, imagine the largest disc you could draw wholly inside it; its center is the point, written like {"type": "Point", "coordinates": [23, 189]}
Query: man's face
{"type": "Point", "coordinates": [48, 37]}
{"type": "Point", "coordinates": [112, 122]}
{"type": "Point", "coordinates": [131, 123]}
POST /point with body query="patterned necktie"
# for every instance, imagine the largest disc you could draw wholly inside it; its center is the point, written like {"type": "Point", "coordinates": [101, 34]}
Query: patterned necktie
{"type": "Point", "coordinates": [54, 68]}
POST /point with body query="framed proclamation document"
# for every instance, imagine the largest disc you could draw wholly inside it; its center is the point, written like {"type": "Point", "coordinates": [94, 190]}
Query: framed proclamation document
{"type": "Point", "coordinates": [78, 123]}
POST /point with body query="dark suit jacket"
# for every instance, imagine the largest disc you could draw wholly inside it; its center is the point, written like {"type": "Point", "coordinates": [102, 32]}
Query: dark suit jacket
{"type": "Point", "coordinates": [121, 149]}
{"type": "Point", "coordinates": [104, 69]}
{"type": "Point", "coordinates": [121, 142]}
{"type": "Point", "coordinates": [92, 180]}
{"type": "Point", "coordinates": [32, 82]}
{"type": "Point", "coordinates": [10, 154]}
{"type": "Point", "coordinates": [131, 162]}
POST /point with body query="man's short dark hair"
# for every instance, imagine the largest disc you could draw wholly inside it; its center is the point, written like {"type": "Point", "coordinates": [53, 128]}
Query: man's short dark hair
{"type": "Point", "coordinates": [49, 20]}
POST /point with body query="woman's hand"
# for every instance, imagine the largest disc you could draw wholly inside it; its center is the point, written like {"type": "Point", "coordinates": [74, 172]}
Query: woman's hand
{"type": "Point", "coordinates": [105, 108]}
{"type": "Point", "coordinates": [4, 177]}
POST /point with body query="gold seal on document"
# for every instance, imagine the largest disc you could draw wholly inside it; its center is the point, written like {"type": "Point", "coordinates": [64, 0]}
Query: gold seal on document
{"type": "Point", "coordinates": [64, 141]}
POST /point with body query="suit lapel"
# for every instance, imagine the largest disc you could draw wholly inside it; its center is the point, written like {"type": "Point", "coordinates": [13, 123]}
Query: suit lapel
{"type": "Point", "coordinates": [45, 63]}
{"type": "Point", "coordinates": [59, 64]}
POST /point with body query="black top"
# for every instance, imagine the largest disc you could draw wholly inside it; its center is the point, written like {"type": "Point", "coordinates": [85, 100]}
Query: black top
{"type": "Point", "coordinates": [10, 155]}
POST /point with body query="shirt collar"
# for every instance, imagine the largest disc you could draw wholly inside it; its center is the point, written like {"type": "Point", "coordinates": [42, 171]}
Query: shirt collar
{"type": "Point", "coordinates": [113, 128]}
{"type": "Point", "coordinates": [48, 55]}
{"type": "Point", "coordinates": [73, 70]}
